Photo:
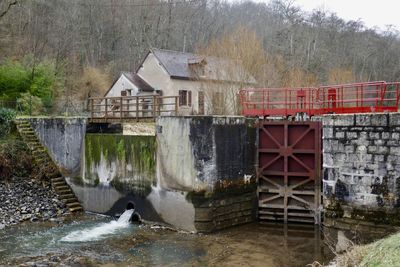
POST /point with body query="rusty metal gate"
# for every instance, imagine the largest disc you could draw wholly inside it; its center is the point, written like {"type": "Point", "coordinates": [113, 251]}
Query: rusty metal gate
{"type": "Point", "coordinates": [289, 171]}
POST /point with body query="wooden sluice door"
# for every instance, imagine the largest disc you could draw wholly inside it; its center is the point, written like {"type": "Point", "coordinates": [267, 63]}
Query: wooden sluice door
{"type": "Point", "coordinates": [289, 171]}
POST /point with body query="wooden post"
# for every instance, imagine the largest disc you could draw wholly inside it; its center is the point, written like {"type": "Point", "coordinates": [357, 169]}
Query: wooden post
{"type": "Point", "coordinates": [91, 107]}
{"type": "Point", "coordinates": [120, 108]}
{"type": "Point", "coordinates": [127, 106]}
{"type": "Point", "coordinates": [106, 115]}
{"type": "Point", "coordinates": [137, 108]}
{"type": "Point", "coordinates": [176, 105]}
{"type": "Point", "coordinates": [154, 106]}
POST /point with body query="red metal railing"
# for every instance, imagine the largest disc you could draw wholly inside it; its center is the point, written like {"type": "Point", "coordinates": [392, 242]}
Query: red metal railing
{"type": "Point", "coordinates": [365, 97]}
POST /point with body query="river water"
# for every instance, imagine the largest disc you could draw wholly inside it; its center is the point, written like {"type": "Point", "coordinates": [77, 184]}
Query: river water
{"type": "Point", "coordinates": [93, 240]}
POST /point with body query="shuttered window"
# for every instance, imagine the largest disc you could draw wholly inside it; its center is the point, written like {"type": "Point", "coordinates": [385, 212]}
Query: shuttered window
{"type": "Point", "coordinates": [185, 98]}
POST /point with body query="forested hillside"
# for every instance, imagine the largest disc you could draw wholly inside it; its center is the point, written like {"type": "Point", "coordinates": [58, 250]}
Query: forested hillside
{"type": "Point", "coordinates": [85, 43]}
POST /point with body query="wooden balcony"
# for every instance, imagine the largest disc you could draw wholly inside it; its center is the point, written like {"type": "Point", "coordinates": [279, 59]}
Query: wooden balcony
{"type": "Point", "coordinates": [131, 108]}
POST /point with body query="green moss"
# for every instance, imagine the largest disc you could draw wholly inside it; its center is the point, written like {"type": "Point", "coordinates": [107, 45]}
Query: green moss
{"type": "Point", "coordinates": [121, 149]}
{"type": "Point", "coordinates": [137, 151]}
{"type": "Point", "coordinates": [79, 181]}
{"type": "Point", "coordinates": [334, 210]}
{"type": "Point", "coordinates": [223, 189]}
{"type": "Point", "coordinates": [378, 216]}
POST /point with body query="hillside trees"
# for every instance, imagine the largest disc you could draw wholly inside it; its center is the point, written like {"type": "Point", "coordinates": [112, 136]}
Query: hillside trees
{"type": "Point", "coordinates": [114, 35]}
{"type": "Point", "coordinates": [236, 56]}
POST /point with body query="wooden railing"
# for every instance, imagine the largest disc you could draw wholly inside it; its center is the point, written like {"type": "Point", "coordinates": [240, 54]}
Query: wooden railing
{"type": "Point", "coordinates": [103, 109]}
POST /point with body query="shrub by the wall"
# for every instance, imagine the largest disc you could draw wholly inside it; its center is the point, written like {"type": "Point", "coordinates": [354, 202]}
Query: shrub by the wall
{"type": "Point", "coordinates": [6, 118]}
{"type": "Point", "coordinates": [15, 159]}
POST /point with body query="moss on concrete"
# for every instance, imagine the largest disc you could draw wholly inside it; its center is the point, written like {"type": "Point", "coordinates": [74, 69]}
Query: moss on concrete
{"type": "Point", "coordinates": [223, 189]}
{"type": "Point", "coordinates": [139, 150]}
{"type": "Point", "coordinates": [377, 215]}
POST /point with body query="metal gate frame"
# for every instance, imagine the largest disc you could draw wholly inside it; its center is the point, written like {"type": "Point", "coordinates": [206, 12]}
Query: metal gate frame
{"type": "Point", "coordinates": [289, 171]}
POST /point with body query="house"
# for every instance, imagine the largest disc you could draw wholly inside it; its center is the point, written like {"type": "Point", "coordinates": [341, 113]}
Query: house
{"type": "Point", "coordinates": [204, 84]}
{"type": "Point", "coordinates": [129, 84]}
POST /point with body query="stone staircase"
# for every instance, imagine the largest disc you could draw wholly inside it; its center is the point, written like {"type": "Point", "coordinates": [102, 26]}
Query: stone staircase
{"type": "Point", "coordinates": [47, 165]}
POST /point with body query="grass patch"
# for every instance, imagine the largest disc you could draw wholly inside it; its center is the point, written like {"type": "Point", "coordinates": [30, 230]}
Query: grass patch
{"type": "Point", "coordinates": [382, 253]}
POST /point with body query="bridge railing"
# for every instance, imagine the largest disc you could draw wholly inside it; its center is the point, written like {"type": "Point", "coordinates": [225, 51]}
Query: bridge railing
{"type": "Point", "coordinates": [377, 96]}
{"type": "Point", "coordinates": [132, 107]}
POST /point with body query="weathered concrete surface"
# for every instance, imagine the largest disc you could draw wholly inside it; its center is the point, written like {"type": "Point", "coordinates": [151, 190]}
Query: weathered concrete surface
{"type": "Point", "coordinates": [213, 160]}
{"type": "Point", "coordinates": [63, 137]}
{"type": "Point", "coordinates": [106, 199]}
{"type": "Point", "coordinates": [200, 153]}
{"type": "Point", "coordinates": [198, 174]}
{"type": "Point", "coordinates": [361, 160]}
{"type": "Point", "coordinates": [117, 169]}
{"type": "Point", "coordinates": [173, 208]}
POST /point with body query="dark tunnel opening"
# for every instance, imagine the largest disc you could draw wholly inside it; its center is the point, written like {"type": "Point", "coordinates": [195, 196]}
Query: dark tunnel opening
{"type": "Point", "coordinates": [130, 206]}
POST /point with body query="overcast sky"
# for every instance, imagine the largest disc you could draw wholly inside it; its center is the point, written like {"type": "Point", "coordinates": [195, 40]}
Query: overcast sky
{"type": "Point", "coordinates": [372, 12]}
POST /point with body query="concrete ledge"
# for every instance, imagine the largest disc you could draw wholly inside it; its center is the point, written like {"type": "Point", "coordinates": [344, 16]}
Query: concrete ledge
{"type": "Point", "coordinates": [338, 120]}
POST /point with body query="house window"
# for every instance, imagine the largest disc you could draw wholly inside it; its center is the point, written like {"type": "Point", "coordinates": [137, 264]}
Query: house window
{"type": "Point", "coordinates": [145, 104]}
{"type": "Point", "coordinates": [185, 98]}
{"type": "Point", "coordinates": [123, 93]}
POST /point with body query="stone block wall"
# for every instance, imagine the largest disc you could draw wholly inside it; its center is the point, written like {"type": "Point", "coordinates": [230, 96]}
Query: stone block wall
{"type": "Point", "coordinates": [215, 214]}
{"type": "Point", "coordinates": [361, 161]}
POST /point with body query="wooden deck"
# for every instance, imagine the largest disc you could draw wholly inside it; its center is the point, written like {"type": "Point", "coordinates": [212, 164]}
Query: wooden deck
{"type": "Point", "coordinates": [131, 108]}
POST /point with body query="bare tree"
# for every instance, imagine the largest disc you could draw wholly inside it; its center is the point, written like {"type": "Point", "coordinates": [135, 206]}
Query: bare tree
{"type": "Point", "coordinates": [298, 47]}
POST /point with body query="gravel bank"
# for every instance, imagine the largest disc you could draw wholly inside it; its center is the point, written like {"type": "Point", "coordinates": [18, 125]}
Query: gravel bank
{"type": "Point", "coordinates": [24, 199]}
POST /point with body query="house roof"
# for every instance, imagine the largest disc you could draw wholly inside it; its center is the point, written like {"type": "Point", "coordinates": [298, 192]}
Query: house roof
{"type": "Point", "coordinates": [141, 84]}
{"type": "Point", "coordinates": [134, 78]}
{"type": "Point", "coordinates": [181, 65]}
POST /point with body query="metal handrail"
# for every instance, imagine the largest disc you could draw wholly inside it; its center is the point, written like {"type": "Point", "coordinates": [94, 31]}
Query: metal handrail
{"type": "Point", "coordinates": [379, 96]}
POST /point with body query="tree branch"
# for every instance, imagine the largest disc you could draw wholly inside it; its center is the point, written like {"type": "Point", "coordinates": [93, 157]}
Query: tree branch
{"type": "Point", "coordinates": [13, 3]}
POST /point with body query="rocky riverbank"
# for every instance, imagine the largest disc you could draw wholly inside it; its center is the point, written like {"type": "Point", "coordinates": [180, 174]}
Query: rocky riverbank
{"type": "Point", "coordinates": [24, 199]}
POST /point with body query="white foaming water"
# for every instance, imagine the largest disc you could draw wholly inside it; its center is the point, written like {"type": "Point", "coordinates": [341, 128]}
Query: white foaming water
{"type": "Point", "coordinates": [101, 231]}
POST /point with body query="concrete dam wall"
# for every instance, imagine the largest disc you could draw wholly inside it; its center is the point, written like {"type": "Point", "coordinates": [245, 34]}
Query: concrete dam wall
{"type": "Point", "coordinates": [63, 137]}
{"type": "Point", "coordinates": [212, 160]}
{"type": "Point", "coordinates": [196, 173]}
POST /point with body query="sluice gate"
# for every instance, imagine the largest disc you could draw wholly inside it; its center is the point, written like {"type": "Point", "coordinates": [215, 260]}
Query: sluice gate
{"type": "Point", "coordinates": [289, 168]}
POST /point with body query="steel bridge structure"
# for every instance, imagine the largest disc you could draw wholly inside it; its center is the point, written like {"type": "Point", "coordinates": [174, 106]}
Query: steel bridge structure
{"type": "Point", "coordinates": [378, 96]}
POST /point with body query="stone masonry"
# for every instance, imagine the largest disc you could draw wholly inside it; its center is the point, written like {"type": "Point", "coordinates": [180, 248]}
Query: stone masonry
{"type": "Point", "coordinates": [361, 161]}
